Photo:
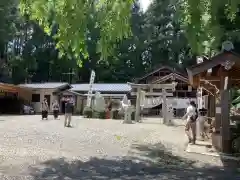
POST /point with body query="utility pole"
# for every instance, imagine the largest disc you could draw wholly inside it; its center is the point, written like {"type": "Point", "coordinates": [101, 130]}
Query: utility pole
{"type": "Point", "coordinates": [70, 74]}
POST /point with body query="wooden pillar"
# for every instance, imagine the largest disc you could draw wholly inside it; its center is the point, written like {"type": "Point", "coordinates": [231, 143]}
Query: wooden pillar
{"type": "Point", "coordinates": [164, 105]}
{"type": "Point", "coordinates": [217, 115]}
{"type": "Point", "coordinates": [138, 108]}
{"type": "Point", "coordinates": [225, 109]}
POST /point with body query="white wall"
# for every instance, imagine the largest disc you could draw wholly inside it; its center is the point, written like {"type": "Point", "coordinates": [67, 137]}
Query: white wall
{"type": "Point", "coordinates": [43, 92]}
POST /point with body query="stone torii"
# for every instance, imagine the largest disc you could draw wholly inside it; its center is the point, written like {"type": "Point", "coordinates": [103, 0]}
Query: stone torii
{"type": "Point", "coordinates": [151, 87]}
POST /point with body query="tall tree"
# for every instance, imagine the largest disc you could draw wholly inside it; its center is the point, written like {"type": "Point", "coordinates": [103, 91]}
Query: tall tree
{"type": "Point", "coordinates": [71, 18]}
{"type": "Point", "coordinates": [167, 43]}
{"type": "Point", "coordinates": [8, 16]}
{"type": "Point", "coordinates": [200, 19]}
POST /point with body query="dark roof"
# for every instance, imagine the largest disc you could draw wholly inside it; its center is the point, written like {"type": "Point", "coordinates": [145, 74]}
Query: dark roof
{"type": "Point", "coordinates": [48, 85]}
{"type": "Point", "coordinates": [102, 87]}
{"type": "Point", "coordinates": [172, 76]}
{"type": "Point", "coordinates": [161, 67]}
{"type": "Point", "coordinates": [212, 62]}
{"type": "Point", "coordinates": [70, 92]}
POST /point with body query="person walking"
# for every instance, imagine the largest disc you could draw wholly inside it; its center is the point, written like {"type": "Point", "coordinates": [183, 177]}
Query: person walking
{"type": "Point", "coordinates": [192, 116]}
{"type": "Point", "coordinates": [55, 109]}
{"type": "Point", "coordinates": [68, 113]}
{"type": "Point", "coordinates": [45, 109]}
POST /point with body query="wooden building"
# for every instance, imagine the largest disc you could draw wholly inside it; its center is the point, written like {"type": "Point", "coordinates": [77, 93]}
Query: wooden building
{"type": "Point", "coordinates": [218, 75]}
{"type": "Point", "coordinates": [164, 75]}
{"type": "Point", "coordinates": [11, 97]}
{"type": "Point", "coordinates": [181, 96]}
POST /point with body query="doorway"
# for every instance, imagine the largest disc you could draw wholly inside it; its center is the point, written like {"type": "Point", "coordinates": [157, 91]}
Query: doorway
{"type": "Point", "coordinates": [48, 97]}
{"type": "Point", "coordinates": [63, 106]}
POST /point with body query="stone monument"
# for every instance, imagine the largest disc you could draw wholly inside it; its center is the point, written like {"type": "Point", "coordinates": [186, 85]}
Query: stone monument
{"type": "Point", "coordinates": [170, 113]}
{"type": "Point", "coordinates": [99, 103]}
{"type": "Point", "coordinates": [127, 109]}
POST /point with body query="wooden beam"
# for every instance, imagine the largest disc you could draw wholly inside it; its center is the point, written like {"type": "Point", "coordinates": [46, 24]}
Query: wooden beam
{"type": "Point", "coordinates": [154, 86]}
{"type": "Point", "coordinates": [213, 62]}
{"type": "Point", "coordinates": [152, 94]}
{"type": "Point", "coordinates": [164, 106]}
{"type": "Point", "coordinates": [172, 76]}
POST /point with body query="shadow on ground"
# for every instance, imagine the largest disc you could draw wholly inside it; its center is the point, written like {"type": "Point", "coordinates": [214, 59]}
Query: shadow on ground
{"type": "Point", "coordinates": [138, 166]}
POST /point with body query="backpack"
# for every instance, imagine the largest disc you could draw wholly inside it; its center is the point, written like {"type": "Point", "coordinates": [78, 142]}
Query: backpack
{"type": "Point", "coordinates": [194, 117]}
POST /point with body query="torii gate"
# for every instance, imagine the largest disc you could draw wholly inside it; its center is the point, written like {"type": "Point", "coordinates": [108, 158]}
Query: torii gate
{"type": "Point", "coordinates": [151, 87]}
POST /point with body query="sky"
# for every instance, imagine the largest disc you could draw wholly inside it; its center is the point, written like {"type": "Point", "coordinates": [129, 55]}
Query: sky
{"type": "Point", "coordinates": [145, 4]}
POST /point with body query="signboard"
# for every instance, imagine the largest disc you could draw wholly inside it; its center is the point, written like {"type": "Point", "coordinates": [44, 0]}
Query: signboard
{"type": "Point", "coordinates": [89, 98]}
{"type": "Point", "coordinates": [199, 98]}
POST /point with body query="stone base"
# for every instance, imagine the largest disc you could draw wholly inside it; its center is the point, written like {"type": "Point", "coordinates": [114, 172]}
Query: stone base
{"type": "Point", "coordinates": [204, 148]}
{"type": "Point", "coordinates": [217, 141]}
{"type": "Point", "coordinates": [127, 122]}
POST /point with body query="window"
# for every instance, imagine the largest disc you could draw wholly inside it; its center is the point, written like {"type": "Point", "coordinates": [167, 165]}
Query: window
{"type": "Point", "coordinates": [35, 97]}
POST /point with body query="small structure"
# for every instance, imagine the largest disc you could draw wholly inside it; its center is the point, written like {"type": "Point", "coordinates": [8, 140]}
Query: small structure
{"type": "Point", "coordinates": [11, 98]}
{"type": "Point", "coordinates": [99, 103]}
{"type": "Point", "coordinates": [180, 97]}
{"type": "Point", "coordinates": [217, 75]}
{"type": "Point", "coordinates": [77, 98]}
{"type": "Point", "coordinates": [50, 91]}
{"type": "Point", "coordinates": [127, 109]}
{"type": "Point", "coordinates": [149, 90]}
{"type": "Point", "coordinates": [77, 92]}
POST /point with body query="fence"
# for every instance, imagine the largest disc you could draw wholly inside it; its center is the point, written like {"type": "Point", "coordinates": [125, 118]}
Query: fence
{"type": "Point", "coordinates": [153, 112]}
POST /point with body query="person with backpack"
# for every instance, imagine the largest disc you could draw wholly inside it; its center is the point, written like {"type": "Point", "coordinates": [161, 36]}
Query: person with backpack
{"type": "Point", "coordinates": [192, 115]}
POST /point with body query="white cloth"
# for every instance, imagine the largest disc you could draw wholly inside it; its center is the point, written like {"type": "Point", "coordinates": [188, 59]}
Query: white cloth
{"type": "Point", "coordinates": [44, 106]}
{"type": "Point", "coordinates": [191, 111]}
{"type": "Point", "coordinates": [201, 121]}
{"type": "Point", "coordinates": [55, 106]}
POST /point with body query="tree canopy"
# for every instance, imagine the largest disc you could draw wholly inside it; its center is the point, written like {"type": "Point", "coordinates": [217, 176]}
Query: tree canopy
{"type": "Point", "coordinates": [71, 18]}
{"type": "Point", "coordinates": [131, 41]}
{"type": "Point", "coordinates": [199, 19]}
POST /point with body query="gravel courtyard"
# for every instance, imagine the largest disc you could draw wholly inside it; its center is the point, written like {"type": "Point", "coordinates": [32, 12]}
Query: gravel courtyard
{"type": "Point", "coordinates": [101, 149]}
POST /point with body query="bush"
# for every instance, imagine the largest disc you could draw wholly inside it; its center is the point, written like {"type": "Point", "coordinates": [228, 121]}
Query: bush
{"type": "Point", "coordinates": [87, 112]}
{"type": "Point", "coordinates": [102, 115]}
{"type": "Point", "coordinates": [116, 114]}
{"type": "Point", "coordinates": [99, 115]}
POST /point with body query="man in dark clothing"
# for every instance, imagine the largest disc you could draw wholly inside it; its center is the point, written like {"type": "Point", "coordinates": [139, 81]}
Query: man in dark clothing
{"type": "Point", "coordinates": [68, 113]}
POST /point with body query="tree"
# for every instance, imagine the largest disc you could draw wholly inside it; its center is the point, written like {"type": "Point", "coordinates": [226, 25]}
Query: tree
{"type": "Point", "coordinates": [71, 17]}
{"type": "Point", "coordinates": [200, 20]}
{"type": "Point", "coordinates": [8, 17]}
{"type": "Point", "coordinates": [125, 63]}
{"type": "Point", "coordinates": [167, 43]}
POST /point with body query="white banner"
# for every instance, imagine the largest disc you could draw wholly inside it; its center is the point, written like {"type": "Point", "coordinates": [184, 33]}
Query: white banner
{"type": "Point", "coordinates": [92, 78]}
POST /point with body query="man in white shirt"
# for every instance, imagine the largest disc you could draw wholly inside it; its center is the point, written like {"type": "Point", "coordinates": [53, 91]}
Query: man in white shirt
{"type": "Point", "coordinates": [191, 122]}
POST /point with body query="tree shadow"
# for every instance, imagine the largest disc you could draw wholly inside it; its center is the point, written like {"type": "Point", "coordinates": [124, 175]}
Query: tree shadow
{"type": "Point", "coordinates": [139, 165]}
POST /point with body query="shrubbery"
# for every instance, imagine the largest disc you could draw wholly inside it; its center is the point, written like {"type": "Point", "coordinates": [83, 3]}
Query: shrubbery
{"type": "Point", "coordinates": [99, 115]}
{"type": "Point", "coordinates": [90, 113]}
{"type": "Point", "coordinates": [87, 112]}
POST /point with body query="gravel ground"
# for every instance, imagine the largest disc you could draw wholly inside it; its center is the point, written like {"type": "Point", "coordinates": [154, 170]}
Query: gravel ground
{"type": "Point", "coordinates": [101, 149]}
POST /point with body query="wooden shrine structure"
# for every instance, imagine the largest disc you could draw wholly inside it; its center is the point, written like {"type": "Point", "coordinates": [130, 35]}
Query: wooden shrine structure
{"type": "Point", "coordinates": [149, 89]}
{"type": "Point", "coordinates": [167, 75]}
{"type": "Point", "coordinates": [218, 75]}
{"type": "Point", "coordinates": [163, 74]}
